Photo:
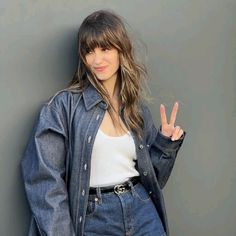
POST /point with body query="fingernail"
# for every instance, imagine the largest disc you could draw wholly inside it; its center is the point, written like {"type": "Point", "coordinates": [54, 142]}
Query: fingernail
{"type": "Point", "coordinates": [173, 139]}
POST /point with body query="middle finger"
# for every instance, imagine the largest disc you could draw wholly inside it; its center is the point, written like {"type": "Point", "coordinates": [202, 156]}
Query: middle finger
{"type": "Point", "coordinates": [174, 114]}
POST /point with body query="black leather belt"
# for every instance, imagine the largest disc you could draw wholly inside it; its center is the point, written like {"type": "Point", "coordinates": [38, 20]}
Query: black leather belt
{"type": "Point", "coordinates": [118, 188]}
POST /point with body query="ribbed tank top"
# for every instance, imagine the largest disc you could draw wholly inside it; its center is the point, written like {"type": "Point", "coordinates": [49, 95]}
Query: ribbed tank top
{"type": "Point", "coordinates": [113, 159]}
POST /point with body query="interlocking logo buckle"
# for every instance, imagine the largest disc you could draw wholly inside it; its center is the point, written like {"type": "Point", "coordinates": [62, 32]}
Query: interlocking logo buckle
{"type": "Point", "coordinates": [119, 188]}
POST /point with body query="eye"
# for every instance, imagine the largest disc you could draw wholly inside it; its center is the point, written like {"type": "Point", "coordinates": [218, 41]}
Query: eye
{"type": "Point", "coordinates": [105, 49]}
{"type": "Point", "coordinates": [88, 51]}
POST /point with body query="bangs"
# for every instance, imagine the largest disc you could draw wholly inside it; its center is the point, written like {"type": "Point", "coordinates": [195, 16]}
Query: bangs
{"type": "Point", "coordinates": [92, 38]}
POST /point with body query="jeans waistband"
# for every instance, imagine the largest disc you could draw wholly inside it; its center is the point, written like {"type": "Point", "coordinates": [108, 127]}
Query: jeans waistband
{"type": "Point", "coordinates": [118, 188]}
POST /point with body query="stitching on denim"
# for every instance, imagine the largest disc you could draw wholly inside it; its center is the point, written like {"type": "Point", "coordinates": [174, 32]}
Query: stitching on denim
{"type": "Point", "coordinates": [139, 197]}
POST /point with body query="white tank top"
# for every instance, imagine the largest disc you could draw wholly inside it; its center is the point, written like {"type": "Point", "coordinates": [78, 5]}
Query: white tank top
{"type": "Point", "coordinates": [112, 159]}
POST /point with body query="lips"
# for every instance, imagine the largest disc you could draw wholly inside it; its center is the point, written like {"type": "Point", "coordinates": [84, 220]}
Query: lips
{"type": "Point", "coordinates": [100, 68]}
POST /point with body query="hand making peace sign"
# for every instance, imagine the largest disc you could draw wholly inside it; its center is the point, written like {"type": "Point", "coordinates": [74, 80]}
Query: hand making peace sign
{"type": "Point", "coordinates": [169, 129]}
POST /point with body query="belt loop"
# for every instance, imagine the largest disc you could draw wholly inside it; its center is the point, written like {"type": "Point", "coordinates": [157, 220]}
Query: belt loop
{"type": "Point", "coordinates": [99, 195]}
{"type": "Point", "coordinates": [131, 186]}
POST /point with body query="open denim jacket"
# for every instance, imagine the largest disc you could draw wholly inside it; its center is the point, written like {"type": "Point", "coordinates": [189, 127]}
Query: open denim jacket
{"type": "Point", "coordinates": [56, 162]}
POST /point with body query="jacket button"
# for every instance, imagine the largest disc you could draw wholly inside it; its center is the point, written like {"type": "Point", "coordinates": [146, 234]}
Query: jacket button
{"type": "Point", "coordinates": [140, 146]}
{"type": "Point", "coordinates": [150, 192]}
{"type": "Point", "coordinates": [89, 139]}
{"type": "Point", "coordinates": [80, 219]}
{"type": "Point", "coordinates": [83, 192]}
{"type": "Point", "coordinates": [97, 117]}
{"type": "Point", "coordinates": [104, 104]}
{"type": "Point", "coordinates": [85, 166]}
{"type": "Point", "coordinates": [145, 173]}
{"type": "Point", "coordinates": [148, 145]}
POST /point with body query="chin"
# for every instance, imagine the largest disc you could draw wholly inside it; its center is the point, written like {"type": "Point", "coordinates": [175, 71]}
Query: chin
{"type": "Point", "coordinates": [100, 78]}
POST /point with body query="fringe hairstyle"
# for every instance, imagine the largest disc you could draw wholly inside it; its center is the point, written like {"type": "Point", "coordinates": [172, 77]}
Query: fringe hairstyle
{"type": "Point", "coordinates": [106, 30]}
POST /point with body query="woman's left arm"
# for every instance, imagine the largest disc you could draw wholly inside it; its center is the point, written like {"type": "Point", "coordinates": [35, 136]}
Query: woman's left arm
{"type": "Point", "coordinates": [164, 143]}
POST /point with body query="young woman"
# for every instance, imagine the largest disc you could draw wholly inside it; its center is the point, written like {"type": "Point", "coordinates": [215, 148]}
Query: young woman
{"type": "Point", "coordinates": [95, 163]}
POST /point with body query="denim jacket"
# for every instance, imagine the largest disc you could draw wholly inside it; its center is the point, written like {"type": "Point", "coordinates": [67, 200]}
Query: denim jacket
{"type": "Point", "coordinates": [56, 163]}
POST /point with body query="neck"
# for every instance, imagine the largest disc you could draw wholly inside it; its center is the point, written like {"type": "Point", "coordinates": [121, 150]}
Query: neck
{"type": "Point", "coordinates": [113, 87]}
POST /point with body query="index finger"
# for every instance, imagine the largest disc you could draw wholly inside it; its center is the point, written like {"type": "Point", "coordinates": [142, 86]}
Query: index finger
{"type": "Point", "coordinates": [174, 114]}
{"type": "Point", "coordinates": [163, 115]}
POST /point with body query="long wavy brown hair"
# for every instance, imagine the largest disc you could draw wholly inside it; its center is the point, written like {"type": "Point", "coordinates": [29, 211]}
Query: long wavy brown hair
{"type": "Point", "coordinates": [106, 29]}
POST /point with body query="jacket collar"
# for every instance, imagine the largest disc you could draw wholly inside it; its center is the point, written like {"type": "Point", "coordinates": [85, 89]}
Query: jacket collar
{"type": "Point", "coordinates": [92, 97]}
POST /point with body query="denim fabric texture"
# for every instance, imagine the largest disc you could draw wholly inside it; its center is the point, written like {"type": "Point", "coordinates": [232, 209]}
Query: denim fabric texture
{"type": "Point", "coordinates": [131, 213]}
{"type": "Point", "coordinates": [56, 163]}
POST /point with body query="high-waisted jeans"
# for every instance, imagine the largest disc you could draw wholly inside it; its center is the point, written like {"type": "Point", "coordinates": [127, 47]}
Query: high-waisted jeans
{"type": "Point", "coordinates": [131, 213]}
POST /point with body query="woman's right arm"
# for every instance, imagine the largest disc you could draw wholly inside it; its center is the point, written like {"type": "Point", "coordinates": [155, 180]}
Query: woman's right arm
{"type": "Point", "coordinates": [43, 170]}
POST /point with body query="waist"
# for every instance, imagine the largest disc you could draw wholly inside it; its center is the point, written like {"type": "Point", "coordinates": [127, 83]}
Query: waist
{"type": "Point", "coordinates": [118, 188]}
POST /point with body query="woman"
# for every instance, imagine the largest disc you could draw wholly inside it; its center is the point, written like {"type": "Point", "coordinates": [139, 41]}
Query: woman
{"type": "Point", "coordinates": [95, 163]}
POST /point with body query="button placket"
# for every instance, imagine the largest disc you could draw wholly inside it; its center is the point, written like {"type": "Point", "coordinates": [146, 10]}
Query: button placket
{"type": "Point", "coordinates": [85, 166]}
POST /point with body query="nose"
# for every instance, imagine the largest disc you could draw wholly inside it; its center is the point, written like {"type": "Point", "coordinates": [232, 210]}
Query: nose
{"type": "Point", "coordinates": [98, 57]}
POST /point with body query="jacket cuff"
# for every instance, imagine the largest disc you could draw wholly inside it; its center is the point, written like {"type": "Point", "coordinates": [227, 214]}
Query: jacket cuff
{"type": "Point", "coordinates": [167, 143]}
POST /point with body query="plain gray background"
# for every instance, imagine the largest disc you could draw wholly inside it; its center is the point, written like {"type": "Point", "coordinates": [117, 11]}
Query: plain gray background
{"type": "Point", "coordinates": [191, 58]}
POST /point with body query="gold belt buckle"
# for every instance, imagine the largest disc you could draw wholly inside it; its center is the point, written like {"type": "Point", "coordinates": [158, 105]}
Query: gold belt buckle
{"type": "Point", "coordinates": [119, 188]}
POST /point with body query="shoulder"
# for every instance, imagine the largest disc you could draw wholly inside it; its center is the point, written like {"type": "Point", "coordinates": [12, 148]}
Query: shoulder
{"type": "Point", "coordinates": [145, 111]}
{"type": "Point", "coordinates": [61, 102]}
{"type": "Point", "coordinates": [63, 96]}
{"type": "Point", "coordinates": [63, 99]}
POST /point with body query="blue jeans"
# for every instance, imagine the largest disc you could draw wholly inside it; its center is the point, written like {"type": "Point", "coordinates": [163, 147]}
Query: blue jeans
{"type": "Point", "coordinates": [131, 213]}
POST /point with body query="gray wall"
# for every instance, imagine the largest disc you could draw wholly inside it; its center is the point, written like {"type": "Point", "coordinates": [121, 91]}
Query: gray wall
{"type": "Point", "coordinates": [191, 58]}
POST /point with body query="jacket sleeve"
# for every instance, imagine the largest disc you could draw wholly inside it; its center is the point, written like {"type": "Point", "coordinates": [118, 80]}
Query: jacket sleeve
{"type": "Point", "coordinates": [43, 170]}
{"type": "Point", "coordinates": [163, 151]}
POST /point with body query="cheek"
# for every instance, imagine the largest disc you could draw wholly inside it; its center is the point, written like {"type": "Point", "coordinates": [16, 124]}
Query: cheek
{"type": "Point", "coordinates": [88, 65]}
{"type": "Point", "coordinates": [88, 60]}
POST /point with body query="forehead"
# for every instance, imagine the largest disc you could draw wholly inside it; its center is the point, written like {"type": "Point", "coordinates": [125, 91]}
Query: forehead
{"type": "Point", "coordinates": [94, 43]}
{"type": "Point", "coordinates": [93, 38]}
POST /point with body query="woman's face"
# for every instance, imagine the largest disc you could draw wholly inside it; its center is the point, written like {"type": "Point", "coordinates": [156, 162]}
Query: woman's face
{"type": "Point", "coordinates": [103, 62]}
